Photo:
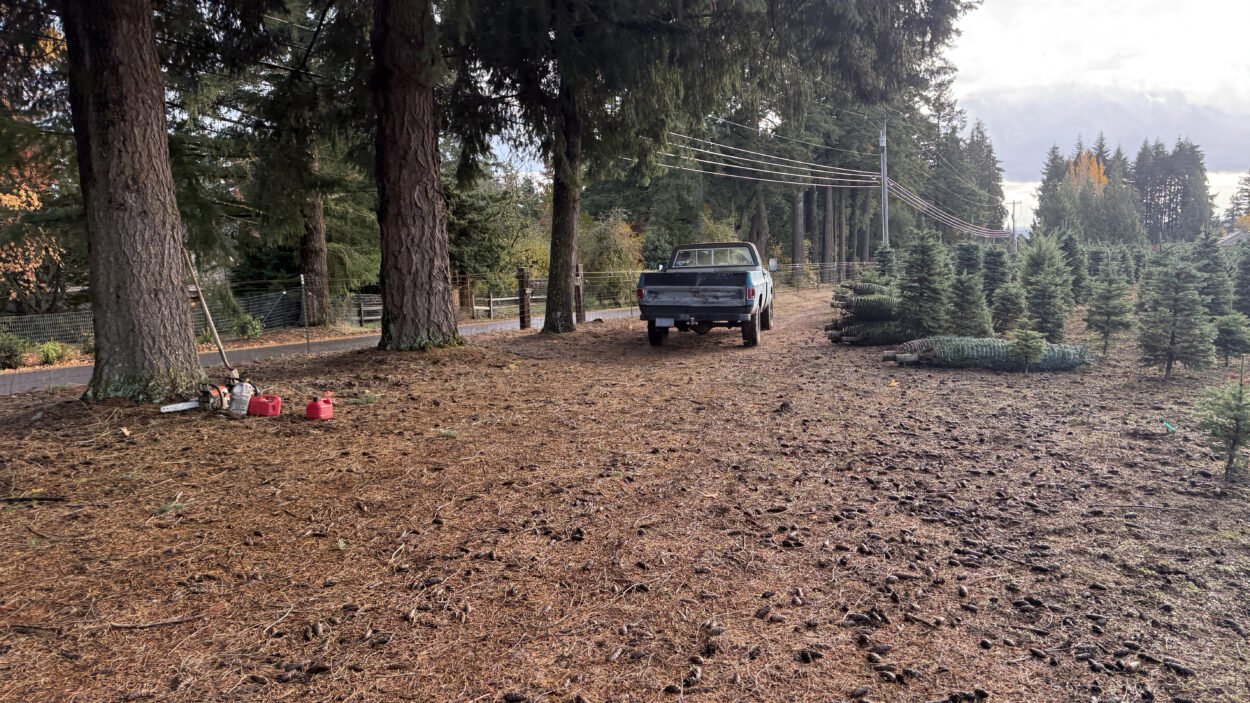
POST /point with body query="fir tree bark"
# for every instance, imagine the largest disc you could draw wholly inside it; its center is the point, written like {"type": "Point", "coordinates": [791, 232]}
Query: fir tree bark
{"type": "Point", "coordinates": [417, 310]}
{"type": "Point", "coordinates": [759, 222]}
{"type": "Point", "coordinates": [566, 205]}
{"type": "Point", "coordinates": [842, 226]}
{"type": "Point", "coordinates": [796, 230]}
{"type": "Point", "coordinates": [865, 222]}
{"type": "Point", "coordinates": [144, 345]}
{"type": "Point", "coordinates": [312, 250]}
{"type": "Point", "coordinates": [826, 251]}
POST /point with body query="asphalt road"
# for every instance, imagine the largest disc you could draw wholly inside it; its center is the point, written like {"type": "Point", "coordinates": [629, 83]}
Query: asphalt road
{"type": "Point", "coordinates": [40, 379]}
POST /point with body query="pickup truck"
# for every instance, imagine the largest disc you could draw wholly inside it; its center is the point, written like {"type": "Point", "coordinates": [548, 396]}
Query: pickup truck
{"type": "Point", "coordinates": [703, 286]}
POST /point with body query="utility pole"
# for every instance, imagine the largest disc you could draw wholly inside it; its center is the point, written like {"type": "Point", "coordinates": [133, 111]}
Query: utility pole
{"type": "Point", "coordinates": [885, 192]}
{"type": "Point", "coordinates": [1015, 240]}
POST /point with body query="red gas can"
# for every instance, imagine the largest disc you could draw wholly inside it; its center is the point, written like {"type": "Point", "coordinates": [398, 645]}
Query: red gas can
{"type": "Point", "coordinates": [264, 405]}
{"type": "Point", "coordinates": [320, 409]}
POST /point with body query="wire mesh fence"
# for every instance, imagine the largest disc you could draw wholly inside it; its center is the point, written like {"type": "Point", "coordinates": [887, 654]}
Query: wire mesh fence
{"type": "Point", "coordinates": [244, 308]}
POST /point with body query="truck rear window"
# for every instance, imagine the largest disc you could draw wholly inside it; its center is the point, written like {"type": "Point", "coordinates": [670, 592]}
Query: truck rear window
{"type": "Point", "coordinates": [717, 256]}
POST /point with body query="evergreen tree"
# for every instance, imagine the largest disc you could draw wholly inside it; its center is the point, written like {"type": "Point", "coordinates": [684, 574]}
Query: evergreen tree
{"type": "Point", "coordinates": [967, 258]}
{"type": "Point", "coordinates": [1009, 306]}
{"type": "Point", "coordinates": [1125, 262]}
{"type": "Point", "coordinates": [1139, 264]}
{"type": "Point", "coordinates": [995, 271]}
{"type": "Point", "coordinates": [1074, 256]}
{"type": "Point", "coordinates": [969, 315]}
{"type": "Point", "coordinates": [1110, 310]}
{"type": "Point", "coordinates": [1098, 257]}
{"type": "Point", "coordinates": [1046, 279]}
{"type": "Point", "coordinates": [924, 291]}
{"type": "Point", "coordinates": [1225, 414]}
{"type": "Point", "coordinates": [1232, 335]}
{"type": "Point", "coordinates": [589, 83]}
{"type": "Point", "coordinates": [885, 262]}
{"type": "Point", "coordinates": [1241, 298]}
{"type": "Point", "coordinates": [1173, 323]}
{"type": "Point", "coordinates": [1027, 344]}
{"type": "Point", "coordinates": [1216, 289]}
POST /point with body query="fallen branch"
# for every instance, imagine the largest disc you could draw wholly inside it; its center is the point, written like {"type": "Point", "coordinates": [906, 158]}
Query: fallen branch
{"type": "Point", "coordinates": [22, 499]}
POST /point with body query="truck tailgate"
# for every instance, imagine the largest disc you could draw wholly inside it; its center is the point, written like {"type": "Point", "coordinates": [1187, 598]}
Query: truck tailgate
{"type": "Point", "coordinates": [695, 296]}
{"type": "Point", "coordinates": [695, 288]}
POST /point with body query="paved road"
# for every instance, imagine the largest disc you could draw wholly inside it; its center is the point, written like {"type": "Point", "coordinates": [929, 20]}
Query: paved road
{"type": "Point", "coordinates": [39, 379]}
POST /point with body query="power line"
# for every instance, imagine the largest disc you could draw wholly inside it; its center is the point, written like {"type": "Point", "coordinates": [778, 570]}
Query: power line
{"type": "Point", "coordinates": [808, 164]}
{"type": "Point", "coordinates": [753, 178]}
{"type": "Point", "coordinates": [791, 139]}
{"type": "Point", "coordinates": [810, 169]}
{"type": "Point", "coordinates": [774, 173]}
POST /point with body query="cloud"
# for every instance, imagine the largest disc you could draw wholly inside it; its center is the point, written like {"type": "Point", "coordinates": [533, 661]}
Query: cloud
{"type": "Point", "coordinates": [1025, 122]}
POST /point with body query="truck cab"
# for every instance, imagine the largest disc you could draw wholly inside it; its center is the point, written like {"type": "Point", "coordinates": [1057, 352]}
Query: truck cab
{"type": "Point", "coordinates": [717, 284]}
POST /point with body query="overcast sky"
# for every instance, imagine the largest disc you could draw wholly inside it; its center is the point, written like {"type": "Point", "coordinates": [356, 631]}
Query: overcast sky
{"type": "Point", "coordinates": [1040, 73]}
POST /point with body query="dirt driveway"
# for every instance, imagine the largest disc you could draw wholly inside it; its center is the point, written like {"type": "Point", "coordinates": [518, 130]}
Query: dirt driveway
{"type": "Point", "coordinates": [589, 518]}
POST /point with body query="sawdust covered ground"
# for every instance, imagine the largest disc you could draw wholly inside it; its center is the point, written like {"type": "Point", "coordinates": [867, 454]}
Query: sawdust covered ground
{"type": "Point", "coordinates": [529, 518]}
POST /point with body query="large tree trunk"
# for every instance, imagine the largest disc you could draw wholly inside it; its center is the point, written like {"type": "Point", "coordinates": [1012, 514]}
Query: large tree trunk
{"type": "Point", "coordinates": [865, 226]}
{"type": "Point", "coordinates": [796, 230]}
{"type": "Point", "coordinates": [842, 226]}
{"type": "Point", "coordinates": [417, 310]}
{"type": "Point", "coordinates": [812, 227]}
{"type": "Point", "coordinates": [144, 345]}
{"type": "Point", "coordinates": [698, 207]}
{"type": "Point", "coordinates": [566, 206]}
{"type": "Point", "coordinates": [759, 222]}
{"type": "Point", "coordinates": [312, 250]}
{"type": "Point", "coordinates": [826, 250]}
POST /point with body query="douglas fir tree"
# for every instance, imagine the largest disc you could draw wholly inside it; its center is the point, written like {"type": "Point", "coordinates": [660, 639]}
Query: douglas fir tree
{"type": "Point", "coordinates": [1009, 307]}
{"type": "Point", "coordinates": [1173, 322]}
{"type": "Point", "coordinates": [967, 258]}
{"type": "Point", "coordinates": [995, 271]}
{"type": "Point", "coordinates": [924, 292]}
{"type": "Point", "coordinates": [969, 315]}
{"type": "Point", "coordinates": [1109, 308]}
{"type": "Point", "coordinates": [1047, 288]}
{"type": "Point", "coordinates": [1216, 288]}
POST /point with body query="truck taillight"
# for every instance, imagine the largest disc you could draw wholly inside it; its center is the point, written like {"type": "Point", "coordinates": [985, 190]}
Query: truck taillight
{"type": "Point", "coordinates": [640, 294]}
{"type": "Point", "coordinates": [750, 294]}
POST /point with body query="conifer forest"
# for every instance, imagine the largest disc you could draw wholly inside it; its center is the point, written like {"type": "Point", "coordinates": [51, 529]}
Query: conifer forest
{"type": "Point", "coordinates": [332, 367]}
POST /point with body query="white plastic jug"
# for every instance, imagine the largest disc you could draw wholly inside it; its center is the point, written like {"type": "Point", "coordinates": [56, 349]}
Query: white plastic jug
{"type": "Point", "coordinates": [240, 396]}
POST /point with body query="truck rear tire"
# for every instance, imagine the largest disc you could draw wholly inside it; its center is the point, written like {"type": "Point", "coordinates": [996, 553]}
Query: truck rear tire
{"type": "Point", "coordinates": [751, 331]}
{"type": "Point", "coordinates": [766, 317]}
{"type": "Point", "coordinates": [656, 335]}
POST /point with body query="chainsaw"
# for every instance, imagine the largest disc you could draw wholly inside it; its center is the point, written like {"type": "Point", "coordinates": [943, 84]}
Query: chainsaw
{"type": "Point", "coordinates": [212, 397]}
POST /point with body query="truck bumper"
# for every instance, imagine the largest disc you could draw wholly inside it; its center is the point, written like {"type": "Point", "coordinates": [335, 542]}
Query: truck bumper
{"type": "Point", "coordinates": [684, 314]}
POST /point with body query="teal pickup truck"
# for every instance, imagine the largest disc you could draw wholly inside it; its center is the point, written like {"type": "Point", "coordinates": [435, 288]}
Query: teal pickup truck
{"type": "Point", "coordinates": [722, 284]}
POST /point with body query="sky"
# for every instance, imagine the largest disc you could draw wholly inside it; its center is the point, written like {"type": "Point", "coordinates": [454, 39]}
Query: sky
{"type": "Point", "coordinates": [1042, 73]}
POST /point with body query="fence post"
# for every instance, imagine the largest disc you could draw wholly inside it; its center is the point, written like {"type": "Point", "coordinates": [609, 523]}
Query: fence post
{"type": "Point", "coordinates": [472, 304]}
{"type": "Point", "coordinates": [490, 313]}
{"type": "Point", "coordinates": [360, 313]}
{"type": "Point", "coordinates": [523, 296]}
{"type": "Point", "coordinates": [579, 295]}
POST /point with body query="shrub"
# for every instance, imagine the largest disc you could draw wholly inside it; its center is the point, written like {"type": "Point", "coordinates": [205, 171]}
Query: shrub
{"type": "Point", "coordinates": [248, 326]}
{"type": "Point", "coordinates": [86, 342]}
{"type": "Point", "coordinates": [205, 336]}
{"type": "Point", "coordinates": [52, 353]}
{"type": "Point", "coordinates": [1225, 415]}
{"type": "Point", "coordinates": [12, 350]}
